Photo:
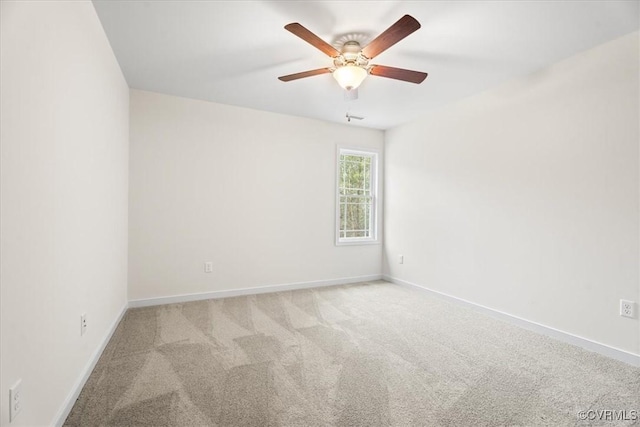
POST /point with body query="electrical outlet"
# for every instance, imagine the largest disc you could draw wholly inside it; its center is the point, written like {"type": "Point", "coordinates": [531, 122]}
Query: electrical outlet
{"type": "Point", "coordinates": [208, 267]}
{"type": "Point", "coordinates": [400, 259]}
{"type": "Point", "coordinates": [83, 324]}
{"type": "Point", "coordinates": [15, 400]}
{"type": "Point", "coordinates": [627, 308]}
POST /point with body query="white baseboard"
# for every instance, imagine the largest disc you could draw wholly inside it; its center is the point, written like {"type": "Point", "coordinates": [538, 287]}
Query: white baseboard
{"type": "Point", "coordinates": [585, 343]}
{"type": "Point", "coordinates": [250, 291]}
{"type": "Point", "coordinates": [77, 387]}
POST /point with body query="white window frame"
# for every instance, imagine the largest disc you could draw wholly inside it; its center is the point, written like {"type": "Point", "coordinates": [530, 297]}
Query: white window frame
{"type": "Point", "coordinates": [373, 179]}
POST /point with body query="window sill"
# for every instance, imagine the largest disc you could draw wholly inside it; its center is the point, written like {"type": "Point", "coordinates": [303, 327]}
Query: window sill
{"type": "Point", "coordinates": [357, 242]}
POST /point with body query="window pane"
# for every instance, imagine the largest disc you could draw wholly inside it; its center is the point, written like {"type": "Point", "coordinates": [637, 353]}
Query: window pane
{"type": "Point", "coordinates": [367, 174]}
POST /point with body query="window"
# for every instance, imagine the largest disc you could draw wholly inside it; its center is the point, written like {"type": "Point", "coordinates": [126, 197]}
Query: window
{"type": "Point", "coordinates": [356, 196]}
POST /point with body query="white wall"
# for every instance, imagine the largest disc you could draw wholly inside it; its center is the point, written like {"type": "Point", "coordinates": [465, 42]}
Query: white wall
{"type": "Point", "coordinates": [251, 191]}
{"type": "Point", "coordinates": [64, 151]}
{"type": "Point", "coordinates": [525, 198]}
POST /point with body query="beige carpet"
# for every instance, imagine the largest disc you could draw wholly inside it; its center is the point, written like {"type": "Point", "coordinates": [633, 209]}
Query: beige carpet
{"type": "Point", "coordinates": [354, 355]}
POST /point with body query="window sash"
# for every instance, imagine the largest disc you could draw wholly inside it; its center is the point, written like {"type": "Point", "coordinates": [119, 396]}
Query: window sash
{"type": "Point", "coordinates": [356, 198]}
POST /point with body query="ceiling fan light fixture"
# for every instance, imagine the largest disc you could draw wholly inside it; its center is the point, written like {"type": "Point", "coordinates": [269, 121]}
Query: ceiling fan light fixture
{"type": "Point", "coordinates": [349, 76]}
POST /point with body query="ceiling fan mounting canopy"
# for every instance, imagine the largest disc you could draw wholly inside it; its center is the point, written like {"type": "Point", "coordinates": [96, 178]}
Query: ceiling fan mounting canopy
{"type": "Point", "coordinates": [351, 63]}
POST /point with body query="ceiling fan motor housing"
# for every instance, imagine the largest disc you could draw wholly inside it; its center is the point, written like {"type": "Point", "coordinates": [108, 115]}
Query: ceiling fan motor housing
{"type": "Point", "coordinates": [351, 54]}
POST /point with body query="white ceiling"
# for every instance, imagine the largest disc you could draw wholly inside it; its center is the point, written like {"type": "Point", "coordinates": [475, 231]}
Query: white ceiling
{"type": "Point", "coordinates": [232, 52]}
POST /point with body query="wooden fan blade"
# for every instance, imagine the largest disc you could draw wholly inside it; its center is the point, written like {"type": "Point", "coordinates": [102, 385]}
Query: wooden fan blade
{"type": "Point", "coordinates": [304, 74]}
{"type": "Point", "coordinates": [392, 35]}
{"type": "Point", "coordinates": [312, 39]}
{"type": "Point", "coordinates": [398, 73]}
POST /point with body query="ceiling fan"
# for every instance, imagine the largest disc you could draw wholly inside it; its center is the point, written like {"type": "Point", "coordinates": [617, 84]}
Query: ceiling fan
{"type": "Point", "coordinates": [351, 63]}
